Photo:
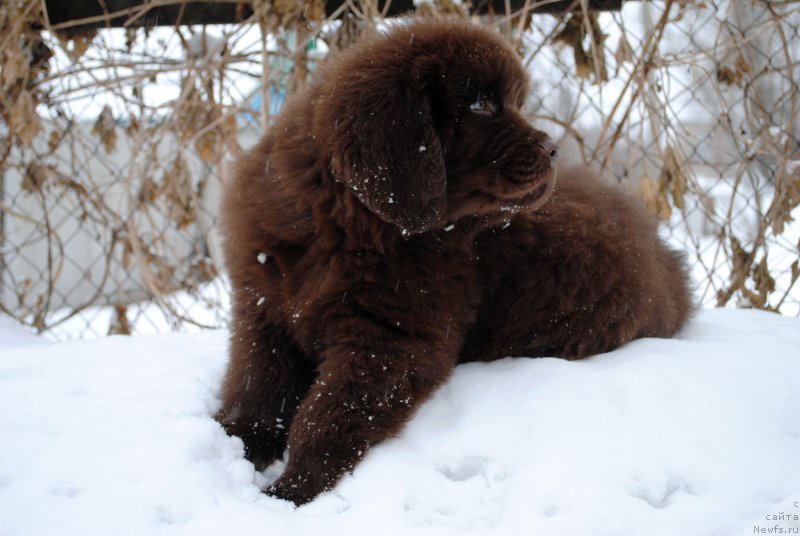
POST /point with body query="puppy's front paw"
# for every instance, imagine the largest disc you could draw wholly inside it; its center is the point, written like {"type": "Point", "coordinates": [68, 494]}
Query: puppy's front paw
{"type": "Point", "coordinates": [292, 488]}
{"type": "Point", "coordinates": [262, 445]}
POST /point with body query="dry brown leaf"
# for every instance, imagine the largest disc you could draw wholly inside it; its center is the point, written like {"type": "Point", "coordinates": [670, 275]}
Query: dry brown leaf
{"type": "Point", "coordinates": [69, 184]}
{"type": "Point", "coordinates": [208, 146]}
{"type": "Point", "coordinates": [741, 65]}
{"type": "Point", "coordinates": [76, 42]}
{"type": "Point", "coordinates": [148, 192]}
{"type": "Point", "coordinates": [35, 177]}
{"type": "Point", "coordinates": [40, 55]}
{"type": "Point", "coordinates": [673, 178]}
{"type": "Point", "coordinates": [38, 321]}
{"type": "Point", "coordinates": [315, 10]}
{"type": "Point", "coordinates": [23, 119]}
{"type": "Point", "coordinates": [624, 53]}
{"type": "Point", "coordinates": [15, 66]}
{"type": "Point", "coordinates": [287, 11]}
{"type": "Point", "coordinates": [733, 76]}
{"type": "Point", "coordinates": [573, 35]}
{"type": "Point", "coordinates": [161, 272]}
{"type": "Point", "coordinates": [764, 282]}
{"type": "Point", "coordinates": [726, 75]}
{"type": "Point", "coordinates": [53, 139]}
{"type": "Point", "coordinates": [130, 38]}
{"type": "Point", "coordinates": [133, 125]}
{"type": "Point", "coordinates": [348, 31]}
{"type": "Point", "coordinates": [106, 129]}
{"type": "Point", "coordinates": [180, 194]}
{"type": "Point", "coordinates": [785, 200]}
{"type": "Point", "coordinates": [597, 49]}
{"type": "Point", "coordinates": [583, 63]}
{"type": "Point", "coordinates": [740, 259]}
{"type": "Point", "coordinates": [202, 269]}
{"type": "Point", "coordinates": [127, 250]}
{"type": "Point", "coordinates": [230, 133]}
{"type": "Point", "coordinates": [647, 191]}
{"type": "Point", "coordinates": [119, 322]}
{"type": "Point", "coordinates": [654, 198]}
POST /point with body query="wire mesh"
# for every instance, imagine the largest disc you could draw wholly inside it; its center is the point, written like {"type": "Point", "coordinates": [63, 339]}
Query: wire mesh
{"type": "Point", "coordinates": [117, 142]}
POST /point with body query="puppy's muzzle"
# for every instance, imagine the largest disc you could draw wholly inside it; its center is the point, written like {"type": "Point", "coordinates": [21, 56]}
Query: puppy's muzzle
{"type": "Point", "coordinates": [550, 149]}
{"type": "Point", "coordinates": [536, 165]}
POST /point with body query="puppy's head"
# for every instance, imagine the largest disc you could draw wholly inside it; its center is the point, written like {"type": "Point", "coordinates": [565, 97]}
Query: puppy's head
{"type": "Point", "coordinates": [423, 125]}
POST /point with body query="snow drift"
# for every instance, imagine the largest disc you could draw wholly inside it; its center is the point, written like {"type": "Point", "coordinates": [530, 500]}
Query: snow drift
{"type": "Point", "coordinates": [695, 435]}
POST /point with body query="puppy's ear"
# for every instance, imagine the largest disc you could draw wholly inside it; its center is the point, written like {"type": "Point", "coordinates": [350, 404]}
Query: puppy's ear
{"type": "Point", "coordinates": [386, 149]}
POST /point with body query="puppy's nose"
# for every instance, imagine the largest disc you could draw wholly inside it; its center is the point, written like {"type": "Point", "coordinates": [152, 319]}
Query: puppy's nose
{"type": "Point", "coordinates": [550, 148]}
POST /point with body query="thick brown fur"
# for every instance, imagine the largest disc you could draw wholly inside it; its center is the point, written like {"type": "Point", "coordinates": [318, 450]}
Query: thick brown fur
{"type": "Point", "coordinates": [399, 218]}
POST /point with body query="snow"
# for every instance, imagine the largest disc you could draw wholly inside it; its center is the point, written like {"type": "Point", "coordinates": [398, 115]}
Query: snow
{"type": "Point", "coordinates": [13, 335]}
{"type": "Point", "coordinates": [694, 435]}
{"type": "Point", "coordinates": [201, 45]}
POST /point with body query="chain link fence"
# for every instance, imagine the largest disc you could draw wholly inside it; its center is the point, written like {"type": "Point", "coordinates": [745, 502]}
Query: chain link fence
{"type": "Point", "coordinates": [115, 143]}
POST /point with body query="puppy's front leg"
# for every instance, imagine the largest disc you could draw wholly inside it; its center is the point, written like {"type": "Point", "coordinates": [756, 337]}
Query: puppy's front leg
{"type": "Point", "coordinates": [267, 378]}
{"type": "Point", "coordinates": [365, 392]}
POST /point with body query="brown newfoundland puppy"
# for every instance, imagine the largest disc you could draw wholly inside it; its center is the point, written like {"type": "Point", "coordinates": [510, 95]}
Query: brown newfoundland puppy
{"type": "Point", "coordinates": [400, 217]}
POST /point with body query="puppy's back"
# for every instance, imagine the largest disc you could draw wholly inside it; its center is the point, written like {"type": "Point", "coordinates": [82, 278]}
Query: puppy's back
{"type": "Point", "coordinates": [599, 218]}
{"type": "Point", "coordinates": [582, 275]}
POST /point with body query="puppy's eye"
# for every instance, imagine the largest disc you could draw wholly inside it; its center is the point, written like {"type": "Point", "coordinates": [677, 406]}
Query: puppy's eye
{"type": "Point", "coordinates": [482, 106]}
